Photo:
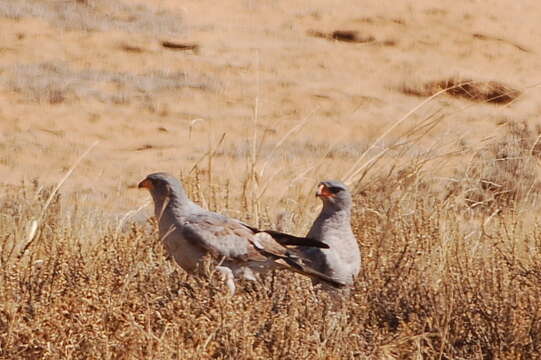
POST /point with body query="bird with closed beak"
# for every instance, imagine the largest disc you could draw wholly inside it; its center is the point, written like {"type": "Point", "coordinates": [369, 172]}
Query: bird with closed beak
{"type": "Point", "coordinates": [190, 232]}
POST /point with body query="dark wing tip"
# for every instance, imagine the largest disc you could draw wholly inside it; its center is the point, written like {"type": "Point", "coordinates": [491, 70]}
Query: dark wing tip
{"type": "Point", "coordinates": [288, 239]}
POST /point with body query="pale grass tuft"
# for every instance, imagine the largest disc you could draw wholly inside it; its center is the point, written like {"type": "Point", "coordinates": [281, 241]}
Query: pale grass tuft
{"type": "Point", "coordinates": [36, 223]}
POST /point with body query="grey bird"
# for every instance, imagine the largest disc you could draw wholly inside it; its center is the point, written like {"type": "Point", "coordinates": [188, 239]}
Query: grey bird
{"type": "Point", "coordinates": [342, 260]}
{"type": "Point", "coordinates": [190, 232]}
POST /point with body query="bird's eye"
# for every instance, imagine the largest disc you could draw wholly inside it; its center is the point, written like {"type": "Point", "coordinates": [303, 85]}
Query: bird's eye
{"type": "Point", "coordinates": [335, 189]}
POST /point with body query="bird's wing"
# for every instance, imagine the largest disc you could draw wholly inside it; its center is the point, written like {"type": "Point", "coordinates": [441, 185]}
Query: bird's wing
{"type": "Point", "coordinates": [221, 236]}
{"type": "Point", "coordinates": [288, 239]}
{"type": "Point", "coordinates": [225, 237]}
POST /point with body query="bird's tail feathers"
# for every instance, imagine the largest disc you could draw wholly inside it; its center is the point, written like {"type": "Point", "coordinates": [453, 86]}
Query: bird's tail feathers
{"type": "Point", "coordinates": [295, 265]}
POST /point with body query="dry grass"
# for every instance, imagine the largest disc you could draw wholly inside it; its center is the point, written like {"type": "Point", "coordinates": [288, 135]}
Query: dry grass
{"type": "Point", "coordinates": [446, 197]}
{"type": "Point", "coordinates": [96, 15]}
{"type": "Point", "coordinates": [440, 279]}
{"type": "Point", "coordinates": [57, 83]}
{"type": "Point", "coordinates": [492, 92]}
{"type": "Point", "coordinates": [342, 35]}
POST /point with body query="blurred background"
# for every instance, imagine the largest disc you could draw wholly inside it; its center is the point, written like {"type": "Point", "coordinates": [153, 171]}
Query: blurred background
{"type": "Point", "coordinates": [278, 93]}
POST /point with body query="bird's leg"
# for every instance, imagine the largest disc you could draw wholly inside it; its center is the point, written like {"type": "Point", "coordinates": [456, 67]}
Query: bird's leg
{"type": "Point", "coordinates": [248, 274]}
{"type": "Point", "coordinates": [229, 278]}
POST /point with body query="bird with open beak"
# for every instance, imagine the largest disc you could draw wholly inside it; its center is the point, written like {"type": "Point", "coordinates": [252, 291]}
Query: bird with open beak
{"type": "Point", "coordinates": [342, 260]}
{"type": "Point", "coordinates": [190, 232]}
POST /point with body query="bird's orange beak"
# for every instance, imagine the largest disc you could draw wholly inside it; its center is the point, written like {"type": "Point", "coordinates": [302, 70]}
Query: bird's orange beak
{"type": "Point", "coordinates": [146, 184]}
{"type": "Point", "coordinates": [324, 192]}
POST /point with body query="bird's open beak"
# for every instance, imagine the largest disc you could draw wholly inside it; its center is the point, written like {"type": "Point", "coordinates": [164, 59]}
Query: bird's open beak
{"type": "Point", "coordinates": [146, 184]}
{"type": "Point", "coordinates": [324, 192]}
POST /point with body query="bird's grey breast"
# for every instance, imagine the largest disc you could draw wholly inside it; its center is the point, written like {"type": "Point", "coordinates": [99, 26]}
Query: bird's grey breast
{"type": "Point", "coordinates": [177, 245]}
{"type": "Point", "coordinates": [342, 259]}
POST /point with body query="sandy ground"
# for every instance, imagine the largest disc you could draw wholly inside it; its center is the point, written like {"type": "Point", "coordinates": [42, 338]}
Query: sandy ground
{"type": "Point", "coordinates": [76, 72]}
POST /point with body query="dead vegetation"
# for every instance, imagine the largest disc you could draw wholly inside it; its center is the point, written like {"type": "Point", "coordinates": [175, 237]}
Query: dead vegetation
{"type": "Point", "coordinates": [180, 46]}
{"type": "Point", "coordinates": [492, 92]}
{"type": "Point", "coordinates": [502, 174]}
{"type": "Point", "coordinates": [350, 36]}
{"type": "Point", "coordinates": [96, 15]}
{"type": "Point", "coordinates": [56, 82]}
{"type": "Point", "coordinates": [439, 280]}
{"type": "Point", "coordinates": [486, 37]}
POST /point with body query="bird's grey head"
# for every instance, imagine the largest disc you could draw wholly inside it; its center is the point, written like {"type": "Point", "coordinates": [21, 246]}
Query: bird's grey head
{"type": "Point", "coordinates": [334, 194]}
{"type": "Point", "coordinates": [163, 186]}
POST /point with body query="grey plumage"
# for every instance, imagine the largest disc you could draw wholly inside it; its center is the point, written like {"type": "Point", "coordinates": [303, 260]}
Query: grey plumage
{"type": "Point", "coordinates": [342, 260]}
{"type": "Point", "coordinates": [190, 232]}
